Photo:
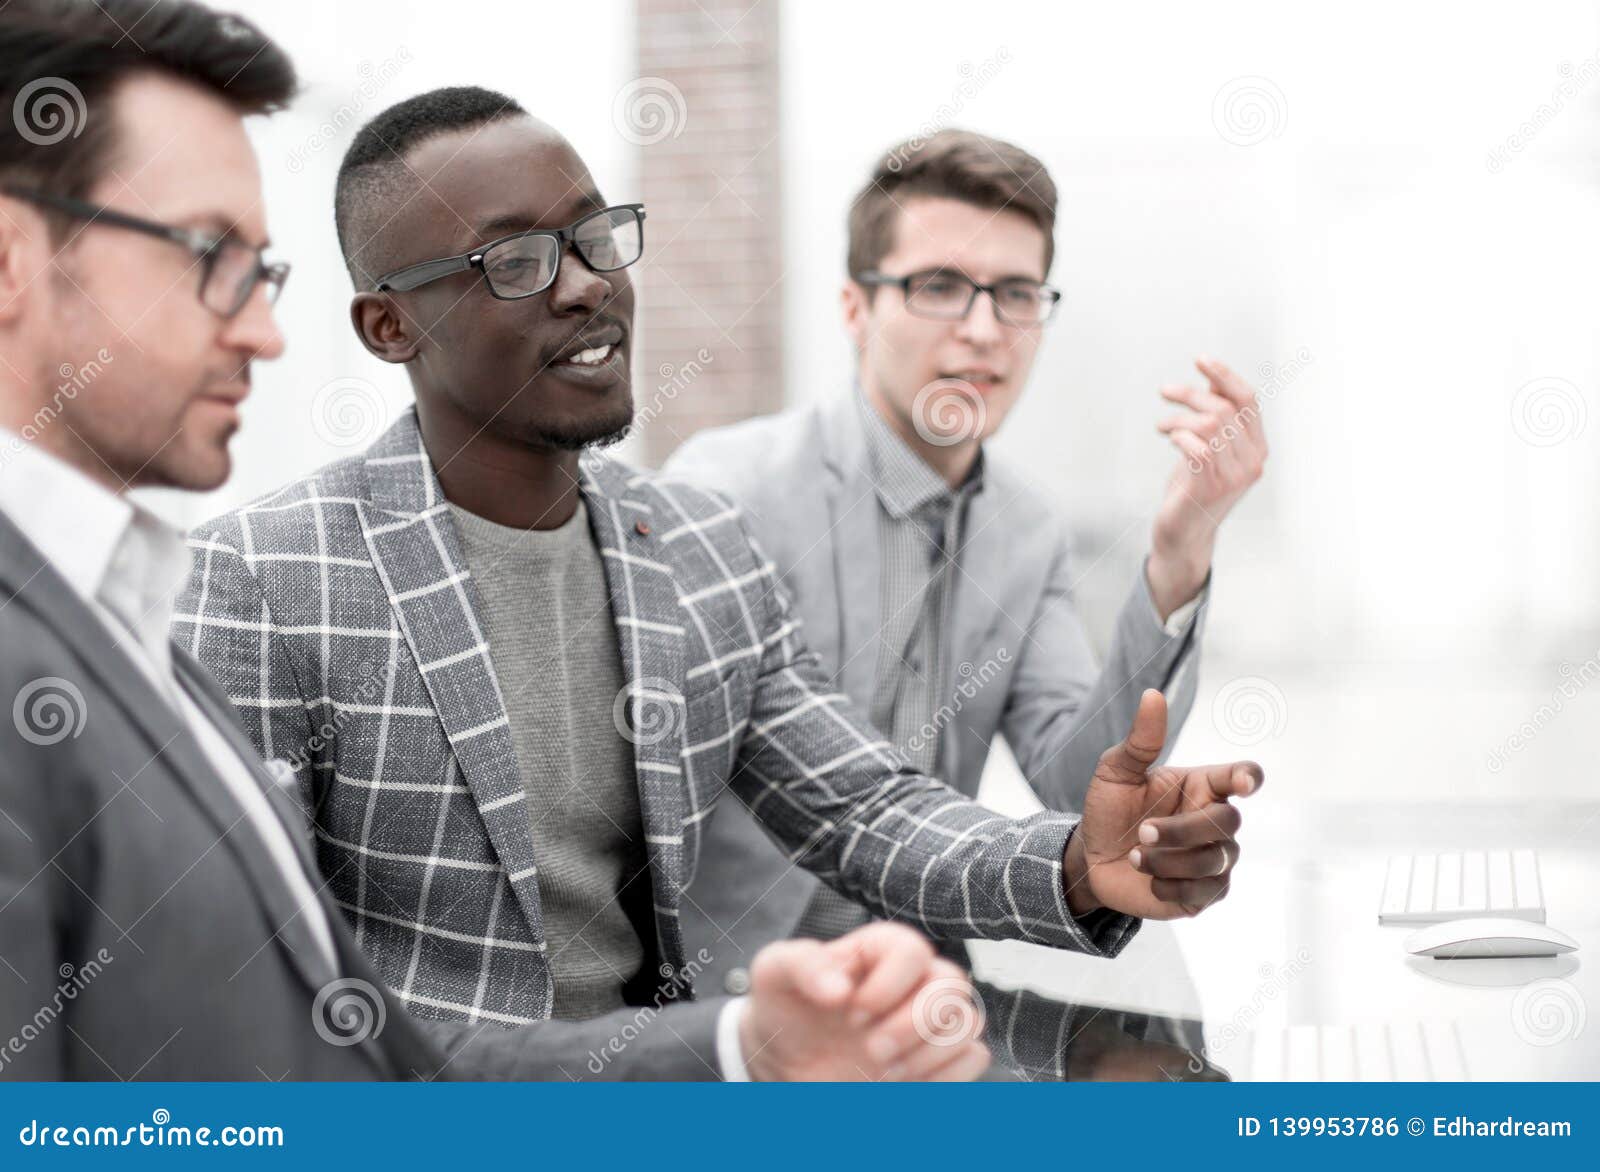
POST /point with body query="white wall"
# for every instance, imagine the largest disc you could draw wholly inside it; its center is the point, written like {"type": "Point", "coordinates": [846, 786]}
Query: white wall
{"type": "Point", "coordinates": [1416, 569]}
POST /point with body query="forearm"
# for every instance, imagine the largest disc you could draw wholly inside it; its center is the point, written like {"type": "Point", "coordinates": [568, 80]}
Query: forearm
{"type": "Point", "coordinates": [676, 1043]}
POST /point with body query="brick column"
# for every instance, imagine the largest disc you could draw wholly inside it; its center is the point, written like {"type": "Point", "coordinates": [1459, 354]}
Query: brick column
{"type": "Point", "coordinates": [703, 112]}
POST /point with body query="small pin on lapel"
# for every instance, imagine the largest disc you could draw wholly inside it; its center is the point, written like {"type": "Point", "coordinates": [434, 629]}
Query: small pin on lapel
{"type": "Point", "coordinates": [642, 528]}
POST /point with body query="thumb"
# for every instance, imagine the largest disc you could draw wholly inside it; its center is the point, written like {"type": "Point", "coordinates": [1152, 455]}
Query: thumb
{"type": "Point", "coordinates": [1127, 763]}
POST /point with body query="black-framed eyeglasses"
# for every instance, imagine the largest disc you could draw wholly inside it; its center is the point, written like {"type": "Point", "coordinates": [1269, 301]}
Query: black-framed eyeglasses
{"type": "Point", "coordinates": [230, 270]}
{"type": "Point", "coordinates": [945, 296]}
{"type": "Point", "coordinates": [526, 263]}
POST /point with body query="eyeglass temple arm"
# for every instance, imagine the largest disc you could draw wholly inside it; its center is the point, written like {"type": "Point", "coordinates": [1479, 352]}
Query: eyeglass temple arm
{"type": "Point", "coordinates": [417, 275]}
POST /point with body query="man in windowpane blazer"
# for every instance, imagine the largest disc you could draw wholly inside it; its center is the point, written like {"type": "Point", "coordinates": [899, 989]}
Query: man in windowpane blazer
{"type": "Point", "coordinates": [359, 622]}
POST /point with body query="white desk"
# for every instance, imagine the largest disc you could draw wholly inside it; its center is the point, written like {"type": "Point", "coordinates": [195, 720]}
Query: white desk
{"type": "Point", "coordinates": [1298, 942]}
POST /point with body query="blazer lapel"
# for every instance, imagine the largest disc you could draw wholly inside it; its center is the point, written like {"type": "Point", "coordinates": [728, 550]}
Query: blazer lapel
{"type": "Point", "coordinates": [854, 536]}
{"type": "Point", "coordinates": [650, 631]}
{"type": "Point", "coordinates": [30, 582]}
{"type": "Point", "coordinates": [417, 555]}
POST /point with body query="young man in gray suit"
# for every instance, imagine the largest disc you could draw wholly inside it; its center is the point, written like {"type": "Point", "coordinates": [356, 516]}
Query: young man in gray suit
{"type": "Point", "coordinates": [515, 677]}
{"type": "Point", "coordinates": [161, 916]}
{"type": "Point", "coordinates": [935, 580]}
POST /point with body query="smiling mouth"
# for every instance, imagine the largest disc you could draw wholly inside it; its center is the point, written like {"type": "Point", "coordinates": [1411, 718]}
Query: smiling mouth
{"type": "Point", "coordinates": [598, 356]}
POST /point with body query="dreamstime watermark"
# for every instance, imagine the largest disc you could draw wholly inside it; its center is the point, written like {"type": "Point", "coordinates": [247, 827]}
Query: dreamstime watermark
{"type": "Point", "coordinates": [74, 980]}
{"type": "Point", "coordinates": [48, 110]}
{"type": "Point", "coordinates": [1549, 411]}
{"type": "Point", "coordinates": [1249, 710]}
{"type": "Point", "coordinates": [73, 379]}
{"type": "Point", "coordinates": [618, 1042]}
{"type": "Point", "coordinates": [348, 114]}
{"type": "Point", "coordinates": [1574, 80]}
{"type": "Point", "coordinates": [649, 110]}
{"type": "Point", "coordinates": [1274, 981]}
{"type": "Point", "coordinates": [674, 381]}
{"type": "Point", "coordinates": [945, 1012]}
{"type": "Point", "coordinates": [973, 681]}
{"type": "Point", "coordinates": [348, 1011]}
{"type": "Point", "coordinates": [1249, 110]}
{"type": "Point", "coordinates": [348, 412]}
{"type": "Point", "coordinates": [1575, 679]}
{"type": "Point", "coordinates": [1275, 377]}
{"type": "Point", "coordinates": [949, 411]}
{"type": "Point", "coordinates": [48, 710]}
{"type": "Point", "coordinates": [973, 80]}
{"type": "Point", "coordinates": [647, 711]}
{"type": "Point", "coordinates": [1549, 1012]}
{"type": "Point", "coordinates": [373, 682]}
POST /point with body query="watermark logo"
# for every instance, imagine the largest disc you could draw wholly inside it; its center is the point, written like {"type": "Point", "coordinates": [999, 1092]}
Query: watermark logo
{"type": "Point", "coordinates": [647, 711]}
{"type": "Point", "coordinates": [48, 710]}
{"type": "Point", "coordinates": [48, 110]}
{"type": "Point", "coordinates": [1249, 110]}
{"type": "Point", "coordinates": [949, 411]}
{"type": "Point", "coordinates": [1549, 411]}
{"type": "Point", "coordinates": [649, 110]}
{"type": "Point", "coordinates": [945, 1013]}
{"type": "Point", "coordinates": [348, 1011]}
{"type": "Point", "coordinates": [1249, 710]}
{"type": "Point", "coordinates": [1549, 1012]}
{"type": "Point", "coordinates": [348, 412]}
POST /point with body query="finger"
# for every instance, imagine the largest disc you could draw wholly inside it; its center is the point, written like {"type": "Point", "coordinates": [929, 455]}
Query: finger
{"type": "Point", "coordinates": [961, 1063]}
{"type": "Point", "coordinates": [1204, 426]}
{"type": "Point", "coordinates": [1193, 895]}
{"type": "Point", "coordinates": [1203, 401]}
{"type": "Point", "coordinates": [1195, 450]}
{"type": "Point", "coordinates": [1233, 386]}
{"type": "Point", "coordinates": [896, 963]}
{"type": "Point", "coordinates": [1217, 822]}
{"type": "Point", "coordinates": [1127, 763]}
{"type": "Point", "coordinates": [943, 1011]}
{"type": "Point", "coordinates": [1170, 862]}
{"type": "Point", "coordinates": [803, 968]}
{"type": "Point", "coordinates": [1236, 779]}
{"type": "Point", "coordinates": [1225, 381]}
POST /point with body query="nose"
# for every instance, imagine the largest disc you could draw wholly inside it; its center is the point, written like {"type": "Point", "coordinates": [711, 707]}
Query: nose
{"type": "Point", "coordinates": [253, 329]}
{"type": "Point", "coordinates": [577, 287]}
{"type": "Point", "coordinates": [981, 327]}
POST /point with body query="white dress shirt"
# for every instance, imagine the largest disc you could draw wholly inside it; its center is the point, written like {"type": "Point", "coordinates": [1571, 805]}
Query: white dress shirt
{"type": "Point", "coordinates": [128, 565]}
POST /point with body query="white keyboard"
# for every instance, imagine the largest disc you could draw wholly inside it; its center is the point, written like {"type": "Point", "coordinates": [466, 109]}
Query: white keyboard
{"type": "Point", "coordinates": [1429, 889]}
{"type": "Point", "coordinates": [1412, 1051]}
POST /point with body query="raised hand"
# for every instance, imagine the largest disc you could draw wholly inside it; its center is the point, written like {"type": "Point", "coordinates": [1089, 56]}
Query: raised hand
{"type": "Point", "coordinates": [1222, 452]}
{"type": "Point", "coordinates": [1157, 842]}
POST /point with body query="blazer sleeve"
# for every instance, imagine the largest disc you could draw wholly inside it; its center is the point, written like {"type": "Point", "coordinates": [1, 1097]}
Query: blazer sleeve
{"type": "Point", "coordinates": [676, 1043]}
{"type": "Point", "coordinates": [845, 806]}
{"type": "Point", "coordinates": [223, 619]}
{"type": "Point", "coordinates": [1063, 711]}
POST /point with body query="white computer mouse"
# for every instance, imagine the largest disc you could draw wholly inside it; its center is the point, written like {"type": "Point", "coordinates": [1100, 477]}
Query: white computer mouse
{"type": "Point", "coordinates": [1488, 936]}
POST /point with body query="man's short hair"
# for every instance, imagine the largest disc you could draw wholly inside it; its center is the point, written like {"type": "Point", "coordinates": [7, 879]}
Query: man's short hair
{"type": "Point", "coordinates": [374, 178]}
{"type": "Point", "coordinates": [60, 60]}
{"type": "Point", "coordinates": [952, 164]}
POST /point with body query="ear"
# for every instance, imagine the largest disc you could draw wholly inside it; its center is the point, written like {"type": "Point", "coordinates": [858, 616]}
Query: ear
{"type": "Point", "coordinates": [855, 305]}
{"type": "Point", "coordinates": [21, 231]}
{"type": "Point", "coordinates": [383, 330]}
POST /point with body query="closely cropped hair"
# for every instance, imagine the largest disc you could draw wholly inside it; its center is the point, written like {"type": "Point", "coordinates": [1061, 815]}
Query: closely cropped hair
{"type": "Point", "coordinates": [373, 177]}
{"type": "Point", "coordinates": [60, 60]}
{"type": "Point", "coordinates": [952, 164]}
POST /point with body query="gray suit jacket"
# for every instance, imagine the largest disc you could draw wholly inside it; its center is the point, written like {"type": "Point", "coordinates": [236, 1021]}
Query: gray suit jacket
{"type": "Point", "coordinates": [145, 933]}
{"type": "Point", "coordinates": [1020, 660]}
{"type": "Point", "coordinates": [341, 618]}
